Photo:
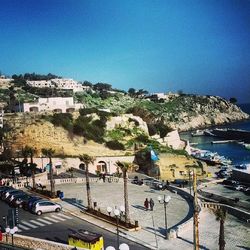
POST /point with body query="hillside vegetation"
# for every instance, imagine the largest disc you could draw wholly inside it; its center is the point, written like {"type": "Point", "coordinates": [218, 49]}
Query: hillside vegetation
{"type": "Point", "coordinates": [115, 120]}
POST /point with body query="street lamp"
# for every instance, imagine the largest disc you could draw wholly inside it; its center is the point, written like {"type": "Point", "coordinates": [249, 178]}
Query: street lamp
{"type": "Point", "coordinates": [118, 213]}
{"type": "Point", "coordinates": [165, 200]}
{"type": "Point", "coordinates": [123, 246]}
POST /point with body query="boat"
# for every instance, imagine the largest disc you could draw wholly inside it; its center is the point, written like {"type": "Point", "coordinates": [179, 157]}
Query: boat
{"type": "Point", "coordinates": [211, 158]}
{"type": "Point", "coordinates": [232, 134]}
{"type": "Point", "coordinates": [197, 133]}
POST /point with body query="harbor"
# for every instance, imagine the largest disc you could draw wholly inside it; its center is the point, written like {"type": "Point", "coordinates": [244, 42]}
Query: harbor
{"type": "Point", "coordinates": [235, 150]}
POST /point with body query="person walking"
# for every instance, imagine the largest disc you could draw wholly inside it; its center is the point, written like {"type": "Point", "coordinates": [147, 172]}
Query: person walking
{"type": "Point", "coordinates": [146, 203]}
{"type": "Point", "coordinates": [151, 203]}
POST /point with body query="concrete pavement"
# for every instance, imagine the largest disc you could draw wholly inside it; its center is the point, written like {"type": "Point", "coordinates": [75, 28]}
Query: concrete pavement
{"type": "Point", "coordinates": [152, 222]}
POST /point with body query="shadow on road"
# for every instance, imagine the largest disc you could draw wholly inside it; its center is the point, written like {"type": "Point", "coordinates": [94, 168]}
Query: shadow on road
{"type": "Point", "coordinates": [73, 201]}
{"type": "Point", "coordinates": [139, 207]}
{"type": "Point", "coordinates": [191, 242]}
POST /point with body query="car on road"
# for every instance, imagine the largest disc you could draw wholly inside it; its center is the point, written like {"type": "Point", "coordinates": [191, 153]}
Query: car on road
{"type": "Point", "coordinates": [8, 193]}
{"type": "Point", "coordinates": [18, 200]}
{"type": "Point", "coordinates": [27, 204]}
{"type": "Point", "coordinates": [45, 206]}
{"type": "Point", "coordinates": [13, 196]}
{"type": "Point", "coordinates": [4, 189]}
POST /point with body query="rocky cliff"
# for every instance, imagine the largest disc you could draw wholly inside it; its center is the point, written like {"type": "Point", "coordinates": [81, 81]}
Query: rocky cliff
{"type": "Point", "coordinates": [193, 112]}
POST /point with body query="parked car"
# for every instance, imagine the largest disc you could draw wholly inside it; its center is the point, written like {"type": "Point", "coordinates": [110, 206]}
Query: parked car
{"type": "Point", "coordinates": [8, 193]}
{"type": "Point", "coordinates": [18, 201]}
{"type": "Point", "coordinates": [27, 204]}
{"type": "Point", "coordinates": [157, 185]}
{"type": "Point", "coordinates": [137, 181]}
{"type": "Point", "coordinates": [44, 206]}
{"type": "Point", "coordinates": [12, 196]}
{"type": "Point", "coordinates": [4, 189]}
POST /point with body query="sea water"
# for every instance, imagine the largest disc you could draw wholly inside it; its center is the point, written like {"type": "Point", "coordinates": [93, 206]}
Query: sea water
{"type": "Point", "coordinates": [237, 153]}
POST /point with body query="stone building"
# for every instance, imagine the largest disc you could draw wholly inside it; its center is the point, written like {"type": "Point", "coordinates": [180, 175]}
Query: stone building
{"type": "Point", "coordinates": [56, 104]}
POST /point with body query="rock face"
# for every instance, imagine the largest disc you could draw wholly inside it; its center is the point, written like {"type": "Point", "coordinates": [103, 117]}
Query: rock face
{"type": "Point", "coordinates": [204, 111]}
{"type": "Point", "coordinates": [127, 121]}
{"type": "Point", "coordinates": [31, 131]}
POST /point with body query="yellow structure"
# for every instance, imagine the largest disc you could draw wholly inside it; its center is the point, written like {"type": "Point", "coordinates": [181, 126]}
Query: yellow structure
{"type": "Point", "coordinates": [86, 239]}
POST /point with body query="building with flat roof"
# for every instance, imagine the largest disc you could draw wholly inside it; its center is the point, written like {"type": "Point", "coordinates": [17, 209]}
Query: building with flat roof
{"type": "Point", "coordinates": [55, 104]}
{"type": "Point", "coordinates": [59, 83]}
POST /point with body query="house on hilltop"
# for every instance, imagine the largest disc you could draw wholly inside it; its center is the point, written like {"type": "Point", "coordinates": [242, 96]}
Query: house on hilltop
{"type": "Point", "coordinates": [55, 104]}
{"type": "Point", "coordinates": [59, 83]}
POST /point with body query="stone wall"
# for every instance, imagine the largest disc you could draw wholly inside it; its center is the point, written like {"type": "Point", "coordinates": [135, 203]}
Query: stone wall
{"type": "Point", "coordinates": [35, 243]}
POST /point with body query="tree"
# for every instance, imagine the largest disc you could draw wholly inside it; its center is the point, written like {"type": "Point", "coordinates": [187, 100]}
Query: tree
{"type": "Point", "coordinates": [220, 214]}
{"type": "Point", "coordinates": [86, 159]}
{"type": "Point", "coordinates": [125, 167]}
{"type": "Point", "coordinates": [131, 92]}
{"type": "Point", "coordinates": [29, 151]}
{"type": "Point", "coordinates": [49, 152]}
{"type": "Point", "coordinates": [233, 100]}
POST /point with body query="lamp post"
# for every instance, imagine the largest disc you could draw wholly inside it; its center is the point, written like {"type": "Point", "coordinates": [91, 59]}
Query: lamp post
{"type": "Point", "coordinates": [123, 246]}
{"type": "Point", "coordinates": [165, 200]}
{"type": "Point", "coordinates": [118, 213]}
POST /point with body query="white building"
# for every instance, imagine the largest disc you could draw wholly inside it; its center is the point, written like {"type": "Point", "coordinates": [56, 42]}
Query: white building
{"type": "Point", "coordinates": [55, 104]}
{"type": "Point", "coordinates": [58, 83]}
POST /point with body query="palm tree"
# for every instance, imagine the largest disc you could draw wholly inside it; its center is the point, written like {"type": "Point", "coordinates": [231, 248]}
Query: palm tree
{"type": "Point", "coordinates": [220, 214]}
{"type": "Point", "coordinates": [86, 159]}
{"type": "Point", "coordinates": [125, 166]}
{"type": "Point", "coordinates": [29, 151]}
{"type": "Point", "coordinates": [48, 152]}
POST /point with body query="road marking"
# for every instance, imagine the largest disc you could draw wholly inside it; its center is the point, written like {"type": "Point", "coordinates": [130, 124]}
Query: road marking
{"type": "Point", "coordinates": [51, 219]}
{"type": "Point", "coordinates": [65, 216]}
{"type": "Point", "coordinates": [23, 227]}
{"type": "Point", "coordinates": [58, 218]}
{"type": "Point", "coordinates": [44, 221]}
{"type": "Point", "coordinates": [37, 223]}
{"type": "Point", "coordinates": [28, 224]}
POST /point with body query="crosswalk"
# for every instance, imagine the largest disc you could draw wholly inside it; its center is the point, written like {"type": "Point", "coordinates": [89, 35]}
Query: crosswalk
{"type": "Point", "coordinates": [26, 225]}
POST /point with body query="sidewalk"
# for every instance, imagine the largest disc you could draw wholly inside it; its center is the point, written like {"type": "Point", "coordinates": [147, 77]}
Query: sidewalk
{"type": "Point", "coordinates": [152, 222]}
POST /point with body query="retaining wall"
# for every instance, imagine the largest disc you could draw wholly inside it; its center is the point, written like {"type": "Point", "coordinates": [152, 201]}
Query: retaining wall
{"type": "Point", "coordinates": [34, 243]}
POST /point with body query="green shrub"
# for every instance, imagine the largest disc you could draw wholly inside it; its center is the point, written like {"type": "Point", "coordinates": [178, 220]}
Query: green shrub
{"type": "Point", "coordinates": [64, 120]}
{"type": "Point", "coordinates": [115, 145]}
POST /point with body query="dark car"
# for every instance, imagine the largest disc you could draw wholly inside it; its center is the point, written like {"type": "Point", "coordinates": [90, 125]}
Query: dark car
{"type": "Point", "coordinates": [157, 185]}
{"type": "Point", "coordinates": [27, 204]}
{"type": "Point", "coordinates": [13, 195]}
{"type": "Point", "coordinates": [8, 193]}
{"type": "Point", "coordinates": [3, 189]}
{"type": "Point", "coordinates": [18, 201]}
{"type": "Point", "coordinates": [137, 181]}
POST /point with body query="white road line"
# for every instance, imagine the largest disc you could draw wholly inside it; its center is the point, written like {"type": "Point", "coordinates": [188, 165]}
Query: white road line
{"type": "Point", "coordinates": [28, 224]}
{"type": "Point", "coordinates": [23, 227]}
{"type": "Point", "coordinates": [45, 221]}
{"type": "Point", "coordinates": [58, 218]}
{"type": "Point", "coordinates": [37, 223]}
{"type": "Point", "coordinates": [65, 216]}
{"type": "Point", "coordinates": [51, 219]}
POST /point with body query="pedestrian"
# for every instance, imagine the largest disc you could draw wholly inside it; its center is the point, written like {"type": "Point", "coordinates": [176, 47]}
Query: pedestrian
{"type": "Point", "coordinates": [104, 177]}
{"type": "Point", "coordinates": [146, 204]}
{"type": "Point", "coordinates": [151, 203]}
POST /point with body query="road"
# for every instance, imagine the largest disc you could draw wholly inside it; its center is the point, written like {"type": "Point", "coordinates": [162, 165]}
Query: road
{"type": "Point", "coordinates": [57, 226]}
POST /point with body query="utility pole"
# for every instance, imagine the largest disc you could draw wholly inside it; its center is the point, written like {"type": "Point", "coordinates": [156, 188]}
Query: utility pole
{"type": "Point", "coordinates": [196, 214]}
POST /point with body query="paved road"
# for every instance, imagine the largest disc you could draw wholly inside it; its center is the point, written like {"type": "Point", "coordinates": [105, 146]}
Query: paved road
{"type": "Point", "coordinates": [56, 226]}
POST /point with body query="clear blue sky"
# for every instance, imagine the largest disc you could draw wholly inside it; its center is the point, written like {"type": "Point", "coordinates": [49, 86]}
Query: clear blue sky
{"type": "Point", "coordinates": [198, 46]}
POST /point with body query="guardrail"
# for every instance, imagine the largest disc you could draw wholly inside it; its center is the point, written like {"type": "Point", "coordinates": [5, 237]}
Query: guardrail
{"type": "Point", "coordinates": [241, 214]}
